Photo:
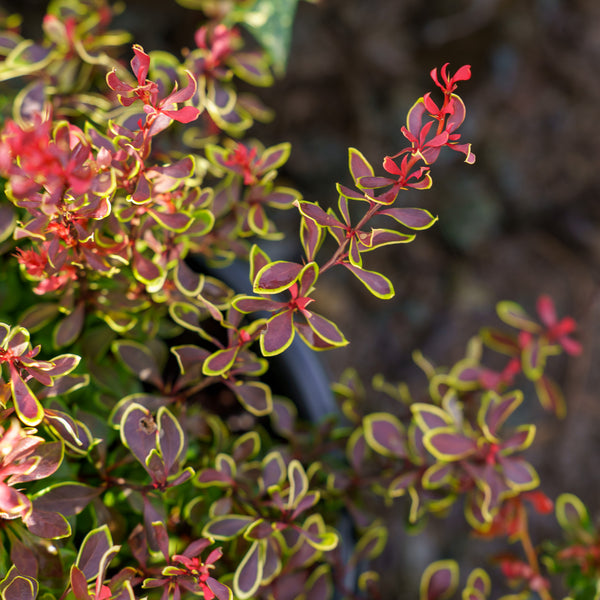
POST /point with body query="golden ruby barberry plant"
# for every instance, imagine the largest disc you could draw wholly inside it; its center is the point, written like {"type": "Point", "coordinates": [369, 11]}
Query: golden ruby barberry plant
{"type": "Point", "coordinates": [143, 454]}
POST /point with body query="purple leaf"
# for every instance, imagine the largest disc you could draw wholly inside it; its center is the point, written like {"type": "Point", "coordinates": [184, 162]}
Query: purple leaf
{"type": "Point", "coordinates": [66, 498]}
{"type": "Point", "coordinates": [221, 592]}
{"type": "Point", "coordinates": [315, 213]}
{"type": "Point", "coordinates": [385, 434]}
{"type": "Point", "coordinates": [376, 283]}
{"type": "Point", "coordinates": [139, 360]}
{"type": "Point", "coordinates": [311, 236]}
{"type": "Point", "coordinates": [139, 431]}
{"type": "Point", "coordinates": [69, 329]}
{"type": "Point", "coordinates": [20, 588]}
{"type": "Point", "coordinates": [148, 273]}
{"type": "Point", "coordinates": [534, 359]}
{"type": "Point", "coordinates": [255, 396]}
{"type": "Point", "coordinates": [519, 474]}
{"type": "Point", "coordinates": [276, 276]}
{"type": "Point", "coordinates": [250, 304]}
{"type": "Point", "coordinates": [177, 222]}
{"type": "Point", "coordinates": [220, 361]}
{"type": "Point", "coordinates": [46, 524]}
{"type": "Point", "coordinates": [273, 157]}
{"type": "Point", "coordinates": [38, 315]}
{"type": "Point", "coordinates": [496, 409]}
{"type": "Point", "coordinates": [447, 445]}
{"type": "Point", "coordinates": [162, 538]}
{"type": "Point", "coordinates": [413, 218]}
{"type": "Point", "coordinates": [227, 527]}
{"type": "Point", "coordinates": [326, 330]}
{"type": "Point", "coordinates": [298, 483]}
{"type": "Point", "coordinates": [279, 334]}
{"type": "Point", "coordinates": [75, 434]}
{"type": "Point", "coordinates": [319, 585]}
{"type": "Point", "coordinates": [249, 573]}
{"type": "Point", "coordinates": [246, 446]}
{"type": "Point", "coordinates": [170, 437]}
{"type": "Point", "coordinates": [95, 544]}
{"type": "Point", "coordinates": [274, 470]}
{"type": "Point", "coordinates": [359, 166]}
{"type": "Point", "coordinates": [439, 581]}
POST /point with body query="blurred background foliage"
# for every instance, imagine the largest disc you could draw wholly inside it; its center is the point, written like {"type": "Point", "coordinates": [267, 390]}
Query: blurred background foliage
{"type": "Point", "coordinates": [524, 220]}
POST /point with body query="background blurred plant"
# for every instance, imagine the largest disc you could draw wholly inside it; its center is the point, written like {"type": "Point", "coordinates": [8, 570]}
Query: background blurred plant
{"type": "Point", "coordinates": [116, 180]}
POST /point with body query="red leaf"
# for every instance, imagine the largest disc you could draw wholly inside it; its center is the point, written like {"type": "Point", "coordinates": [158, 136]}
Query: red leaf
{"type": "Point", "coordinates": [79, 584]}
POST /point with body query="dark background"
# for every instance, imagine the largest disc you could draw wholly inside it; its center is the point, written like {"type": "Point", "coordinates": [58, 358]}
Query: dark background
{"type": "Point", "coordinates": [520, 222]}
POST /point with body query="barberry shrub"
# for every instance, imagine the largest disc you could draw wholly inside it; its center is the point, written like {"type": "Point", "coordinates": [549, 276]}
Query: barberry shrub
{"type": "Point", "coordinates": [142, 453]}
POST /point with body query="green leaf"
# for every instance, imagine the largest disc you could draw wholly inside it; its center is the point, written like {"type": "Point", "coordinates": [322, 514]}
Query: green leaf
{"type": "Point", "coordinates": [8, 221]}
{"type": "Point", "coordinates": [271, 22]}
{"type": "Point", "coordinates": [252, 68]}
{"type": "Point", "coordinates": [513, 314]}
{"type": "Point", "coordinates": [533, 359]}
{"type": "Point", "coordinates": [571, 514]}
{"type": "Point", "coordinates": [551, 396]}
